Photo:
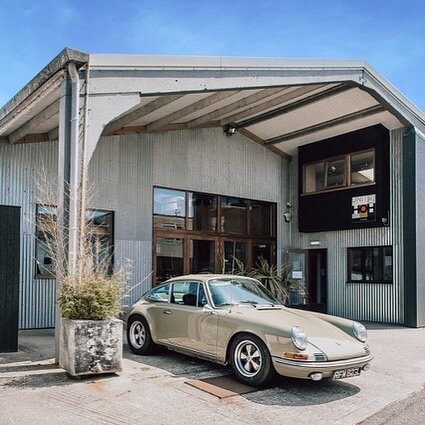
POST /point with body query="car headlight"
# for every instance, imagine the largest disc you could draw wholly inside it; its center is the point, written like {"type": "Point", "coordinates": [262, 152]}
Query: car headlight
{"type": "Point", "coordinates": [359, 331]}
{"type": "Point", "coordinates": [298, 338]}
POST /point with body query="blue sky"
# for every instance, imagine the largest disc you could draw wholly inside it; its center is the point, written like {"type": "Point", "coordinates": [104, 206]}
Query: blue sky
{"type": "Point", "coordinates": [388, 34]}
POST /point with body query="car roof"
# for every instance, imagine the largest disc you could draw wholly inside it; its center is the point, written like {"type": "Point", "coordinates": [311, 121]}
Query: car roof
{"type": "Point", "coordinates": [205, 277]}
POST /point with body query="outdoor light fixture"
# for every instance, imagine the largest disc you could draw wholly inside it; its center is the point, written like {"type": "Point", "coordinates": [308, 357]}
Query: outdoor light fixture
{"type": "Point", "coordinates": [314, 243]}
{"type": "Point", "coordinates": [229, 129]}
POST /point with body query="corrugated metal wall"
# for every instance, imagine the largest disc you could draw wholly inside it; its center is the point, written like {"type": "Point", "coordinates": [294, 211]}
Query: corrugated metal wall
{"type": "Point", "coordinates": [122, 173]}
{"type": "Point", "coordinates": [362, 301]}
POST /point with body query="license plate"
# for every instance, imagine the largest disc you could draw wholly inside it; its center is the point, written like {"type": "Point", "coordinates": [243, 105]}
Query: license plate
{"type": "Point", "coordinates": [346, 373]}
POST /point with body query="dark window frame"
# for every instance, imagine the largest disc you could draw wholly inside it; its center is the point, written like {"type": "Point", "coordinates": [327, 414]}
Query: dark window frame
{"type": "Point", "coordinates": [218, 236]}
{"type": "Point", "coordinates": [48, 276]}
{"type": "Point", "coordinates": [347, 172]}
{"type": "Point", "coordinates": [363, 265]}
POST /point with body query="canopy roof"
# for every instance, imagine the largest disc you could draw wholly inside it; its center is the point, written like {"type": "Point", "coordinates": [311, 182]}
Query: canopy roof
{"type": "Point", "coordinates": [276, 102]}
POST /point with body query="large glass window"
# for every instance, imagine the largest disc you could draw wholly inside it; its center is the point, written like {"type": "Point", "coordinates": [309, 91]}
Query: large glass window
{"type": "Point", "coordinates": [370, 264]}
{"type": "Point", "coordinates": [357, 168]}
{"type": "Point", "coordinates": [199, 232]}
{"type": "Point", "coordinates": [234, 252]}
{"type": "Point", "coordinates": [202, 212]}
{"type": "Point", "coordinates": [202, 255]}
{"type": "Point", "coordinates": [233, 215]}
{"type": "Point", "coordinates": [169, 208]}
{"type": "Point", "coordinates": [169, 258]}
{"type": "Point", "coordinates": [99, 233]}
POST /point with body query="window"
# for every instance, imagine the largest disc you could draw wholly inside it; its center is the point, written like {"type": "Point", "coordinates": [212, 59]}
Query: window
{"type": "Point", "coordinates": [353, 169]}
{"type": "Point", "coordinates": [100, 234]}
{"type": "Point", "coordinates": [169, 208]}
{"type": "Point", "coordinates": [188, 293]}
{"type": "Point", "coordinates": [199, 233]}
{"type": "Point", "coordinates": [233, 219]}
{"type": "Point", "coordinates": [370, 264]}
{"type": "Point", "coordinates": [362, 168]}
{"type": "Point", "coordinates": [159, 294]}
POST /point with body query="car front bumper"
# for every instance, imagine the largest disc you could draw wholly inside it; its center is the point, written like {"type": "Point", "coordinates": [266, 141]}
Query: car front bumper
{"type": "Point", "coordinates": [304, 369]}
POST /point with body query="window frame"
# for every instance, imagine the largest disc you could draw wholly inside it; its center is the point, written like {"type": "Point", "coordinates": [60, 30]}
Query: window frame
{"type": "Point", "coordinates": [218, 236]}
{"type": "Point", "coordinates": [347, 172]}
{"type": "Point", "coordinates": [48, 276]}
{"type": "Point", "coordinates": [363, 266]}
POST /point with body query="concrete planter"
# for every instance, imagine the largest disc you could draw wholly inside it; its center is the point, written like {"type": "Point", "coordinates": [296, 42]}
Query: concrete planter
{"type": "Point", "coordinates": [91, 346]}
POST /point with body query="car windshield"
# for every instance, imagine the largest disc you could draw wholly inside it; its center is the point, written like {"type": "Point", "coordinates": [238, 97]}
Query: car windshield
{"type": "Point", "coordinates": [232, 291]}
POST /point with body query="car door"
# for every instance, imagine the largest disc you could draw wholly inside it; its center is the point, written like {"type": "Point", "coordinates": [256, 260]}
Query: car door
{"type": "Point", "coordinates": [187, 325]}
{"type": "Point", "coordinates": [158, 302]}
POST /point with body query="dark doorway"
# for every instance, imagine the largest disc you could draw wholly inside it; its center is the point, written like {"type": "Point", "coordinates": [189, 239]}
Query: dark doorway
{"type": "Point", "coordinates": [317, 279]}
{"type": "Point", "coordinates": [9, 277]}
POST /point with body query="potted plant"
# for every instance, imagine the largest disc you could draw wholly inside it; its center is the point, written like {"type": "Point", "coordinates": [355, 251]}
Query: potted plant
{"type": "Point", "coordinates": [89, 298]}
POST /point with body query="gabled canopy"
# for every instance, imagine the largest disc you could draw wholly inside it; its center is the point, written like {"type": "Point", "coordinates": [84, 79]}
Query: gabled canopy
{"type": "Point", "coordinates": [279, 103]}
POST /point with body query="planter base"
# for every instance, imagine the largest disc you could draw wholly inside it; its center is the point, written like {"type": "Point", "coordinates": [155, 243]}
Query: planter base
{"type": "Point", "coordinates": [90, 347]}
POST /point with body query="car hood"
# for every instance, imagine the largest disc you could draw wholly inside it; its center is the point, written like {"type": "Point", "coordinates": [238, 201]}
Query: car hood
{"type": "Point", "coordinates": [321, 334]}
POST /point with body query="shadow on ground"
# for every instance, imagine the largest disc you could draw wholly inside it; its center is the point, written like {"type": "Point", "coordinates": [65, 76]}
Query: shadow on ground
{"type": "Point", "coordinates": [282, 391]}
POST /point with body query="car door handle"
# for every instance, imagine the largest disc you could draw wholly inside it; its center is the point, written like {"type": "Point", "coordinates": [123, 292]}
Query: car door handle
{"type": "Point", "coordinates": [166, 311]}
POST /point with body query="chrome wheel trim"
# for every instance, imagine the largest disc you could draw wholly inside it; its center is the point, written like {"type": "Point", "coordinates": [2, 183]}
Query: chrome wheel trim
{"type": "Point", "coordinates": [137, 334]}
{"type": "Point", "coordinates": [247, 358]}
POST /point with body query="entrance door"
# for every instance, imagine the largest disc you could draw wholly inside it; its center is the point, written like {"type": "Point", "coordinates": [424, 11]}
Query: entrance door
{"type": "Point", "coordinates": [317, 279]}
{"type": "Point", "coordinates": [9, 277]}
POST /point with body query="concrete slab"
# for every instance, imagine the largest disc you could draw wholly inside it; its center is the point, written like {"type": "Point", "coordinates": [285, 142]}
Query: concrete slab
{"type": "Point", "coordinates": [153, 389]}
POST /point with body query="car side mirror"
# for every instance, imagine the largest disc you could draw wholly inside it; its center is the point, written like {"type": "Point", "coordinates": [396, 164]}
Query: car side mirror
{"type": "Point", "coordinates": [208, 309]}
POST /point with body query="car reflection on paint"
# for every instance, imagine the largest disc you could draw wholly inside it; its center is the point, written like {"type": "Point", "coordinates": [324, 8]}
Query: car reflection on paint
{"type": "Point", "coordinates": [235, 320]}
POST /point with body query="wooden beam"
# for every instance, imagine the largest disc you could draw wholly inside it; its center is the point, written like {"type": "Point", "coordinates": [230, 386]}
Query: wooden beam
{"type": "Point", "coordinates": [34, 138]}
{"type": "Point", "coordinates": [190, 109]}
{"type": "Point", "coordinates": [234, 106]}
{"type": "Point", "coordinates": [140, 129]}
{"type": "Point", "coordinates": [135, 114]}
{"type": "Point", "coordinates": [288, 94]}
{"type": "Point", "coordinates": [54, 134]}
{"type": "Point", "coordinates": [373, 110]}
{"type": "Point", "coordinates": [34, 123]}
{"type": "Point", "coordinates": [261, 142]}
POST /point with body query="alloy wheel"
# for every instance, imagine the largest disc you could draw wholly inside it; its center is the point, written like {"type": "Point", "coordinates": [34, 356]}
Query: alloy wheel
{"type": "Point", "coordinates": [248, 358]}
{"type": "Point", "coordinates": [137, 334]}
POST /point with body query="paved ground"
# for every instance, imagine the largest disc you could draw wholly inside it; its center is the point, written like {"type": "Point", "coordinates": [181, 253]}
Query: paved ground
{"type": "Point", "coordinates": [153, 389]}
{"type": "Point", "coordinates": [410, 410]}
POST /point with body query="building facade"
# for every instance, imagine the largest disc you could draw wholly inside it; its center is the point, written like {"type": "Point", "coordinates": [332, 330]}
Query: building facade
{"type": "Point", "coordinates": [192, 163]}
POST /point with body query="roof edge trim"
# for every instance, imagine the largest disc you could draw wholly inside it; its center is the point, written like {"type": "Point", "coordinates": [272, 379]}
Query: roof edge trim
{"type": "Point", "coordinates": [59, 62]}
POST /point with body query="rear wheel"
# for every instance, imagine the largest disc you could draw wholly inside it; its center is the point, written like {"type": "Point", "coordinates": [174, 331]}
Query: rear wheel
{"type": "Point", "coordinates": [250, 360]}
{"type": "Point", "coordinates": [139, 336]}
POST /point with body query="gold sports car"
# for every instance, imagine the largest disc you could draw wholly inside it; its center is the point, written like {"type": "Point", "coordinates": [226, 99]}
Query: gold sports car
{"type": "Point", "coordinates": [236, 320]}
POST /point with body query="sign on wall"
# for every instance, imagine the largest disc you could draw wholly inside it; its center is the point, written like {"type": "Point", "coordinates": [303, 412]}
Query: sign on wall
{"type": "Point", "coordinates": [363, 208]}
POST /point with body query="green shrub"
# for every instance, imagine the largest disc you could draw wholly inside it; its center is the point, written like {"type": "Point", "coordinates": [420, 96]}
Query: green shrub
{"type": "Point", "coordinates": [94, 298]}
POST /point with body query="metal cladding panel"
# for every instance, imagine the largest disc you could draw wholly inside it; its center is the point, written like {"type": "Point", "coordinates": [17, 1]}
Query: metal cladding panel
{"type": "Point", "coordinates": [20, 172]}
{"type": "Point", "coordinates": [362, 301]}
{"type": "Point", "coordinates": [207, 160]}
{"type": "Point", "coordinates": [420, 230]}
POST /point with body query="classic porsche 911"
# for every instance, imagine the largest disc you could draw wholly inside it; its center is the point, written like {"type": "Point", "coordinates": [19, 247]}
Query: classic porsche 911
{"type": "Point", "coordinates": [236, 320]}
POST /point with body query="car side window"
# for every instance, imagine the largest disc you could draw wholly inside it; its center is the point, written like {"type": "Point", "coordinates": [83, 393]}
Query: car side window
{"type": "Point", "coordinates": [159, 294]}
{"type": "Point", "coordinates": [188, 293]}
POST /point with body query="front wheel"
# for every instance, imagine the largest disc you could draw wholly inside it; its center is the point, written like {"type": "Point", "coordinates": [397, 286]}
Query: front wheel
{"type": "Point", "coordinates": [139, 336]}
{"type": "Point", "coordinates": [250, 360]}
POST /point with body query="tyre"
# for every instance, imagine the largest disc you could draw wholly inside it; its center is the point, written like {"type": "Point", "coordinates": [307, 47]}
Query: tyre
{"type": "Point", "coordinates": [139, 336]}
{"type": "Point", "coordinates": [250, 360]}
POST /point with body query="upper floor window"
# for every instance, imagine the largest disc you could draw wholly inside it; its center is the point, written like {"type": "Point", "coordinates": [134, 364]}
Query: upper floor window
{"type": "Point", "coordinates": [344, 171]}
